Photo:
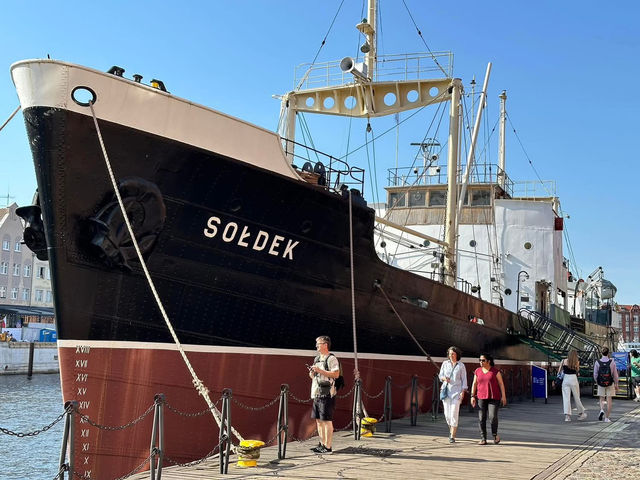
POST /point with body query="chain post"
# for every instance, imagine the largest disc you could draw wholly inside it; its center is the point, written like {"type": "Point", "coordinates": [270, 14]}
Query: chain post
{"type": "Point", "coordinates": [388, 409]}
{"type": "Point", "coordinates": [225, 431]}
{"type": "Point", "coordinates": [68, 439]}
{"type": "Point", "coordinates": [357, 409]}
{"type": "Point", "coordinates": [435, 398]}
{"type": "Point", "coordinates": [414, 400]}
{"type": "Point", "coordinates": [283, 421]}
{"type": "Point", "coordinates": [156, 450]}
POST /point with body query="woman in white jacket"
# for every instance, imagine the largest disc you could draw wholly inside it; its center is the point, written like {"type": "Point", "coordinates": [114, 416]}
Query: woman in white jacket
{"type": "Point", "coordinates": [453, 376]}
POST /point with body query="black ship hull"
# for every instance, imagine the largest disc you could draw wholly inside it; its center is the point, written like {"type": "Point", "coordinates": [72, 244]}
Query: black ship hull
{"type": "Point", "coordinates": [250, 265]}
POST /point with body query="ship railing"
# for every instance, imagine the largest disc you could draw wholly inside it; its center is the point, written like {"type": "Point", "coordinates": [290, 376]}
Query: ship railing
{"type": "Point", "coordinates": [329, 172]}
{"type": "Point", "coordinates": [557, 337]}
{"type": "Point", "coordinates": [481, 173]}
{"type": "Point", "coordinates": [533, 189]}
{"type": "Point", "coordinates": [389, 68]}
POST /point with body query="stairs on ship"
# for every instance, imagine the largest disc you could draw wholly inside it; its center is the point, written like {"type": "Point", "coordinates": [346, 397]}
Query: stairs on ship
{"type": "Point", "coordinates": [555, 340]}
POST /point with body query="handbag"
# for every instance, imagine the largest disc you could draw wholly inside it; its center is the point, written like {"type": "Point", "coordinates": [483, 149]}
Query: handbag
{"type": "Point", "coordinates": [444, 391]}
{"type": "Point", "coordinates": [559, 379]}
{"type": "Point", "coordinates": [444, 388]}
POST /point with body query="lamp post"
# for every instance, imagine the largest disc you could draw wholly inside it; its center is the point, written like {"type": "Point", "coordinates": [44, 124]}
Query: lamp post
{"type": "Point", "coordinates": [526, 275]}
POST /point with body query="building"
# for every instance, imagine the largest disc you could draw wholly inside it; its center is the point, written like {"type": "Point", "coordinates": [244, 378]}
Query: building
{"type": "Point", "coordinates": [25, 281]}
{"type": "Point", "coordinates": [630, 323]}
{"type": "Point", "coordinates": [16, 261]}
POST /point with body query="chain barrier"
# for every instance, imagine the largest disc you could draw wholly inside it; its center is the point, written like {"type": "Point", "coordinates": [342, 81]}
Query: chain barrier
{"type": "Point", "coordinates": [256, 409]}
{"type": "Point", "coordinates": [348, 394]}
{"type": "Point", "coordinates": [194, 414]}
{"type": "Point", "coordinates": [299, 400]}
{"type": "Point", "coordinates": [111, 428]}
{"type": "Point", "coordinates": [373, 397]}
{"type": "Point", "coordinates": [6, 431]}
{"type": "Point", "coordinates": [208, 456]}
{"type": "Point", "coordinates": [225, 446]}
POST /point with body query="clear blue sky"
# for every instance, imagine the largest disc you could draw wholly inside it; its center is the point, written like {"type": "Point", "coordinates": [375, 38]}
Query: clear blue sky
{"type": "Point", "coordinates": [568, 68]}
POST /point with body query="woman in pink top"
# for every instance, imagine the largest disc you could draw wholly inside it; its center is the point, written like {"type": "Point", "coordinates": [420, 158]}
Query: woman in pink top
{"type": "Point", "coordinates": [488, 391]}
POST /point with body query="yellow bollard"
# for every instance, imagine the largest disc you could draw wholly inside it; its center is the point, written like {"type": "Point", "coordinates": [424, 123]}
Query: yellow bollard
{"type": "Point", "coordinates": [249, 453]}
{"type": "Point", "coordinates": [368, 427]}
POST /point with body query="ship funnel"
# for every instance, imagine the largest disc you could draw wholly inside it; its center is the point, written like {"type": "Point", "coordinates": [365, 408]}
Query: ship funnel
{"type": "Point", "coordinates": [358, 70]}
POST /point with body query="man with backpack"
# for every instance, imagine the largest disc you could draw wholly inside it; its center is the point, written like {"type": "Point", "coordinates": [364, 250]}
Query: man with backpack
{"type": "Point", "coordinates": [323, 373]}
{"type": "Point", "coordinates": [605, 374]}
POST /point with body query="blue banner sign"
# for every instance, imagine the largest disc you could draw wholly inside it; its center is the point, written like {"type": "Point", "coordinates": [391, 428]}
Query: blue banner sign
{"type": "Point", "coordinates": [538, 382]}
{"type": "Point", "coordinates": [622, 361]}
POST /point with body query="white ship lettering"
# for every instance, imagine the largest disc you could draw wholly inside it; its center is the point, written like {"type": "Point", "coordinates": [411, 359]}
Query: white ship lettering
{"type": "Point", "coordinates": [241, 235]}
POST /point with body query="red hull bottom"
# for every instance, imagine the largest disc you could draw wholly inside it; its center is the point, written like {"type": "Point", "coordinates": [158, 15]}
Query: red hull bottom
{"type": "Point", "coordinates": [116, 383]}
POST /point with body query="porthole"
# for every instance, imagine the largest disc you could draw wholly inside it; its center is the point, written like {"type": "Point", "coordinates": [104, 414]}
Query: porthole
{"type": "Point", "coordinates": [83, 96]}
{"type": "Point", "coordinates": [527, 245]}
{"type": "Point", "coordinates": [350, 102]}
{"type": "Point", "coordinates": [472, 243]}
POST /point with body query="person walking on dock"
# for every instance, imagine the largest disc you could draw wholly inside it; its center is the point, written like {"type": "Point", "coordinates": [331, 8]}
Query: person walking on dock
{"type": "Point", "coordinates": [570, 386]}
{"type": "Point", "coordinates": [635, 373]}
{"type": "Point", "coordinates": [488, 388]}
{"type": "Point", "coordinates": [323, 372]}
{"type": "Point", "coordinates": [605, 375]}
{"type": "Point", "coordinates": [453, 375]}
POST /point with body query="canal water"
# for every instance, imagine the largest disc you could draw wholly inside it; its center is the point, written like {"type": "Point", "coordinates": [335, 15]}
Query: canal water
{"type": "Point", "coordinates": [27, 406]}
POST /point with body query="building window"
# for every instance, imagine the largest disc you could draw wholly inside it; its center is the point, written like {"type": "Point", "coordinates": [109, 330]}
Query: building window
{"type": "Point", "coordinates": [39, 295]}
{"type": "Point", "coordinates": [27, 270]}
{"type": "Point", "coordinates": [4, 268]}
{"type": "Point", "coordinates": [18, 247]}
{"type": "Point", "coordinates": [48, 297]}
{"type": "Point", "coordinates": [6, 245]}
{"type": "Point", "coordinates": [16, 269]}
{"type": "Point", "coordinates": [3, 292]}
{"type": "Point", "coordinates": [635, 329]}
{"type": "Point", "coordinates": [14, 294]}
{"type": "Point", "coordinates": [48, 274]}
{"type": "Point", "coordinates": [41, 272]}
{"type": "Point", "coordinates": [26, 294]}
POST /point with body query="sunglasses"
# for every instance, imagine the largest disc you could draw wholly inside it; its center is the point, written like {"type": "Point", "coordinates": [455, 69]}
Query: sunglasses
{"type": "Point", "coordinates": [482, 360]}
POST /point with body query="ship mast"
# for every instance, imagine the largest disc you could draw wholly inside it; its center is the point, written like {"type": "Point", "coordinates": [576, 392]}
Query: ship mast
{"type": "Point", "coordinates": [502, 149]}
{"type": "Point", "coordinates": [364, 97]}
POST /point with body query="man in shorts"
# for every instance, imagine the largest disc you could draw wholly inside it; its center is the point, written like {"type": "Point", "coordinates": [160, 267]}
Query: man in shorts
{"type": "Point", "coordinates": [607, 391]}
{"type": "Point", "coordinates": [323, 373]}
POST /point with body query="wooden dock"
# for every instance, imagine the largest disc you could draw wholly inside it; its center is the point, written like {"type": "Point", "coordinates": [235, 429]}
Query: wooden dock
{"type": "Point", "coordinates": [536, 443]}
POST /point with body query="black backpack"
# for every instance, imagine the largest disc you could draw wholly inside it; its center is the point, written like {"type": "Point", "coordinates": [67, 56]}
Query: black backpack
{"type": "Point", "coordinates": [604, 374]}
{"type": "Point", "coordinates": [338, 382]}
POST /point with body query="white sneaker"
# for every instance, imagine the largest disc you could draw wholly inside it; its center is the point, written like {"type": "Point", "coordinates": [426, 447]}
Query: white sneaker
{"type": "Point", "coordinates": [567, 418]}
{"type": "Point", "coordinates": [582, 416]}
{"type": "Point", "coordinates": [607, 420]}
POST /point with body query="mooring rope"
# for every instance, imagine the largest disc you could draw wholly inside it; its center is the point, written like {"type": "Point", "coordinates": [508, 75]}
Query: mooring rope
{"type": "Point", "coordinates": [10, 117]}
{"type": "Point", "coordinates": [197, 383]}
{"type": "Point", "coordinates": [379, 287]}
{"type": "Point", "coordinates": [353, 288]}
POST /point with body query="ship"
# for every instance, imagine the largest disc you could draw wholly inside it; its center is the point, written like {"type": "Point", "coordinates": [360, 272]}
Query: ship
{"type": "Point", "coordinates": [248, 250]}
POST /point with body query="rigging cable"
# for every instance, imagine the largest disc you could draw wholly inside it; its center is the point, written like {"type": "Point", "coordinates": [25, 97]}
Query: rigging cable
{"type": "Point", "coordinates": [379, 287]}
{"type": "Point", "coordinates": [423, 40]}
{"type": "Point", "coordinates": [324, 40]}
{"type": "Point", "coordinates": [197, 383]}
{"type": "Point", "coordinates": [10, 117]}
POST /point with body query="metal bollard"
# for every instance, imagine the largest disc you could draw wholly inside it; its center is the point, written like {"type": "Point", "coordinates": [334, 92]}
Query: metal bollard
{"type": "Point", "coordinates": [283, 421]}
{"type": "Point", "coordinates": [225, 431]}
{"type": "Point", "coordinates": [156, 450]}
{"type": "Point", "coordinates": [68, 439]}
{"type": "Point", "coordinates": [388, 410]}
{"type": "Point", "coordinates": [435, 398]}
{"type": "Point", "coordinates": [414, 400]}
{"type": "Point", "coordinates": [357, 409]}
